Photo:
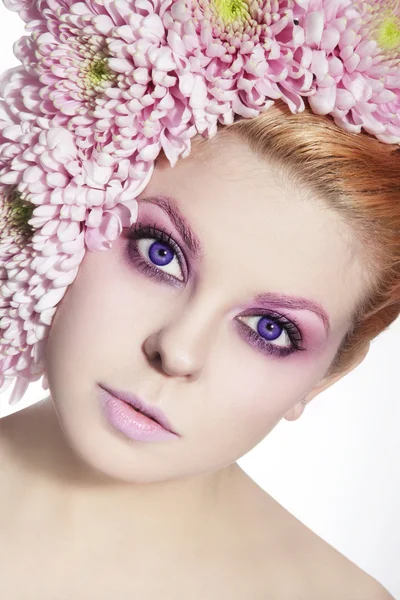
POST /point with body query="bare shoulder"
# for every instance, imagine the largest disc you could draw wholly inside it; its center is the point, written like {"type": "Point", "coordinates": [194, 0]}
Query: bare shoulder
{"type": "Point", "coordinates": [369, 588]}
{"type": "Point", "coordinates": [345, 579]}
{"type": "Point", "coordinates": [327, 574]}
{"type": "Point", "coordinates": [298, 564]}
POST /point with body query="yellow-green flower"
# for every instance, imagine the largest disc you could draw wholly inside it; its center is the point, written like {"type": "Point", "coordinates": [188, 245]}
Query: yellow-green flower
{"type": "Point", "coordinates": [15, 212]}
{"type": "Point", "coordinates": [381, 23]}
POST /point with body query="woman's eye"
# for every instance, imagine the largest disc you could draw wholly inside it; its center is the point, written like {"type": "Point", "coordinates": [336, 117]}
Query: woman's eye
{"type": "Point", "coordinates": [157, 255]}
{"type": "Point", "coordinates": [162, 256]}
{"type": "Point", "coordinates": [271, 334]}
{"type": "Point", "coordinates": [269, 329]}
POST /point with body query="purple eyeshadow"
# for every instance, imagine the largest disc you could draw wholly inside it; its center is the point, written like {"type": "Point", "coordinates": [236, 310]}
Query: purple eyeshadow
{"type": "Point", "coordinates": [164, 249]}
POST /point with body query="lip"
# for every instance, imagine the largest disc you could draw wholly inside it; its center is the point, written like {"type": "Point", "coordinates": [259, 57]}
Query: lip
{"type": "Point", "coordinates": [140, 405]}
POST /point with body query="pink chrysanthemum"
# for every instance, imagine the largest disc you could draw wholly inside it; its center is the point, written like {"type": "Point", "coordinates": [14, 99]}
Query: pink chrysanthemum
{"type": "Point", "coordinates": [25, 8]}
{"type": "Point", "coordinates": [241, 55]}
{"type": "Point", "coordinates": [356, 63]}
{"type": "Point", "coordinates": [53, 207]}
{"type": "Point", "coordinates": [88, 57]}
{"type": "Point", "coordinates": [135, 78]}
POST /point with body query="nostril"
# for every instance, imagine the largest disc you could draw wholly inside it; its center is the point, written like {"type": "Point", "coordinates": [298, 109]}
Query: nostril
{"type": "Point", "coordinates": [156, 359]}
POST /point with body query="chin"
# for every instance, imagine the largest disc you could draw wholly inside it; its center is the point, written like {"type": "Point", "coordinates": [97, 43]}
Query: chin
{"type": "Point", "coordinates": [112, 456]}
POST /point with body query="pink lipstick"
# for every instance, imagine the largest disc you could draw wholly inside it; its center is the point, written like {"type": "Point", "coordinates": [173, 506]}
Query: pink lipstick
{"type": "Point", "coordinates": [132, 417]}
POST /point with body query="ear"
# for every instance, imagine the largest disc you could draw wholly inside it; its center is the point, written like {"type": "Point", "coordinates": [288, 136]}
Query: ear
{"type": "Point", "coordinates": [297, 410]}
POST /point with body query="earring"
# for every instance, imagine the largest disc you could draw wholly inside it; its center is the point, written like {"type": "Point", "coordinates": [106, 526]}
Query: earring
{"type": "Point", "coordinates": [304, 401]}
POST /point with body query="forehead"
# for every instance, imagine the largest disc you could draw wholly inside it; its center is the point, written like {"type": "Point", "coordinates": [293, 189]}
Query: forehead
{"type": "Point", "coordinates": [261, 231]}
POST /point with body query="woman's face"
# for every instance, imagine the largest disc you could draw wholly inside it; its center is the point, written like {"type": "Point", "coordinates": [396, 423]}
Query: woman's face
{"type": "Point", "coordinates": [206, 326]}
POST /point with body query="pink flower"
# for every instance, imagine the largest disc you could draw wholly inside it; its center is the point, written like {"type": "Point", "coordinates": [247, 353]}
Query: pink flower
{"type": "Point", "coordinates": [237, 57]}
{"type": "Point", "coordinates": [356, 63]}
{"type": "Point", "coordinates": [137, 78]}
{"type": "Point", "coordinates": [25, 8]}
{"type": "Point", "coordinates": [53, 207]}
{"type": "Point", "coordinates": [87, 58]}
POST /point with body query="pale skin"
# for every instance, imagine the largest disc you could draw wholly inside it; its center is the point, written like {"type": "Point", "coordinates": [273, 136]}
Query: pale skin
{"type": "Point", "coordinates": [183, 508]}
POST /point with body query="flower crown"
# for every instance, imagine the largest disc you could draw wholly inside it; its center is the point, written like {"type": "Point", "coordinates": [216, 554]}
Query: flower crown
{"type": "Point", "coordinates": [105, 85]}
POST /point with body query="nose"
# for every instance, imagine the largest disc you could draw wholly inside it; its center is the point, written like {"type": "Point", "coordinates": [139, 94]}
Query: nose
{"type": "Point", "coordinates": [180, 347]}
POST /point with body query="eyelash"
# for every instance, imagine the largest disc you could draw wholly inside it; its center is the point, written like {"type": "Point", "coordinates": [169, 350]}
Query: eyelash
{"type": "Point", "coordinates": [138, 231]}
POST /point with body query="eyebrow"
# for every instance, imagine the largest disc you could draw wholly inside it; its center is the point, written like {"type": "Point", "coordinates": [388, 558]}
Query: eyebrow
{"type": "Point", "coordinates": [191, 240]}
{"type": "Point", "coordinates": [294, 302]}
{"type": "Point", "coordinates": [269, 299]}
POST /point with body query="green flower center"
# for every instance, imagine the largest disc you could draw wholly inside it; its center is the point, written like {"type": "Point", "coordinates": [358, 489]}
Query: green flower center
{"type": "Point", "coordinates": [231, 10]}
{"type": "Point", "coordinates": [388, 33]}
{"type": "Point", "coordinates": [98, 73]}
{"type": "Point", "coordinates": [14, 220]}
{"type": "Point", "coordinates": [232, 22]}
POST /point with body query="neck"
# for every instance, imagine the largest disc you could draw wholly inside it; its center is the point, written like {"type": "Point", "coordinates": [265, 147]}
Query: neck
{"type": "Point", "coordinates": [49, 466]}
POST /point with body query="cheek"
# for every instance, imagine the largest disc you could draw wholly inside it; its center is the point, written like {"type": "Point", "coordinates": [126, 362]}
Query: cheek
{"type": "Point", "coordinates": [87, 317]}
{"type": "Point", "coordinates": [100, 320]}
{"type": "Point", "coordinates": [260, 389]}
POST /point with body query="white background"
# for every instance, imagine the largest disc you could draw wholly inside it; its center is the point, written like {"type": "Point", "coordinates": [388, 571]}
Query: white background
{"type": "Point", "coordinates": [337, 468]}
